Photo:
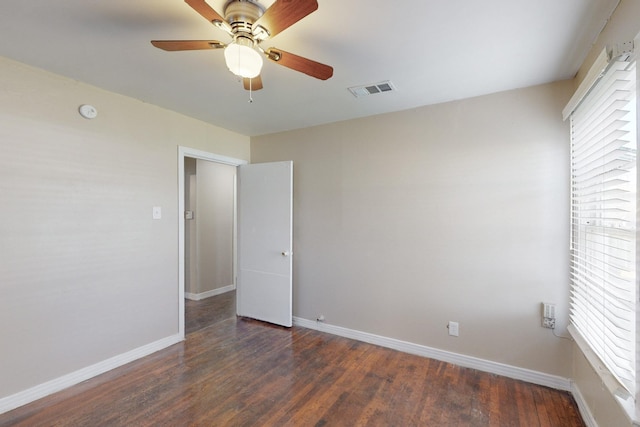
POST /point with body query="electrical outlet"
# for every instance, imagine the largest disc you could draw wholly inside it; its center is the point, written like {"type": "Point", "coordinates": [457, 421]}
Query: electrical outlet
{"type": "Point", "coordinates": [453, 329]}
{"type": "Point", "coordinates": [548, 322]}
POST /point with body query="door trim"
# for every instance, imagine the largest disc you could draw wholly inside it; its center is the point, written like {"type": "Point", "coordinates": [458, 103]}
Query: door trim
{"type": "Point", "coordinates": [202, 155]}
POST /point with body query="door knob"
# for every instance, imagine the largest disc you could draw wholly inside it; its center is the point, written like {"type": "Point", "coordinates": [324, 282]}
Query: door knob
{"type": "Point", "coordinates": [285, 253]}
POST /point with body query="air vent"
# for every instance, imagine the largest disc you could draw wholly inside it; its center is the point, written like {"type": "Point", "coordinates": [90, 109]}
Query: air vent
{"type": "Point", "coordinates": [372, 89]}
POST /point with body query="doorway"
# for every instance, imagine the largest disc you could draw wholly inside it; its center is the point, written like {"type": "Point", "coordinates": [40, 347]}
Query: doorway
{"type": "Point", "coordinates": [206, 274]}
{"type": "Point", "coordinates": [210, 198]}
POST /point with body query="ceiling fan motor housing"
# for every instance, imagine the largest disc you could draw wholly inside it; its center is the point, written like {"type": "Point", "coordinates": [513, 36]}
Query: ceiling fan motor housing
{"type": "Point", "coordinates": [241, 15]}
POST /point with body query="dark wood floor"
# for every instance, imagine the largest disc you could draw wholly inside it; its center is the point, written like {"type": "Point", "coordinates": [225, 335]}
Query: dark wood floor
{"type": "Point", "coordinates": [234, 372]}
{"type": "Point", "coordinates": [200, 314]}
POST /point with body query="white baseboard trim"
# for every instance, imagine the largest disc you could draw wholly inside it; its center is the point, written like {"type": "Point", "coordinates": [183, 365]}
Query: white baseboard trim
{"type": "Point", "coordinates": [211, 293]}
{"type": "Point", "coordinates": [514, 372]}
{"type": "Point", "coordinates": [585, 412]}
{"type": "Point", "coordinates": [45, 389]}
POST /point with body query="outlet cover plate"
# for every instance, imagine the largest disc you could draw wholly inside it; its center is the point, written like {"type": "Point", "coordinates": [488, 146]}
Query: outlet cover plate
{"type": "Point", "coordinates": [548, 322]}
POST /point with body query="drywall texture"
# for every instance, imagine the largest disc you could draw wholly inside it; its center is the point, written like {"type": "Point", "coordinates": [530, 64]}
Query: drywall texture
{"type": "Point", "coordinates": [457, 211]}
{"type": "Point", "coordinates": [86, 273]}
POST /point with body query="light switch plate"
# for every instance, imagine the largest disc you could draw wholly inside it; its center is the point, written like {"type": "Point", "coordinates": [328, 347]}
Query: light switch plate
{"type": "Point", "coordinates": [454, 329]}
{"type": "Point", "coordinates": [157, 212]}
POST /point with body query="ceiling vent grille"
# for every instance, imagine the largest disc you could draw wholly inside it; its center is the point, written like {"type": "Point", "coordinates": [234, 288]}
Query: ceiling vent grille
{"type": "Point", "coordinates": [372, 89]}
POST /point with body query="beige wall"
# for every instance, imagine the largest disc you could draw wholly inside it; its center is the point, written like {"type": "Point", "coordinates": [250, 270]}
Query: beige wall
{"type": "Point", "coordinates": [86, 274]}
{"type": "Point", "coordinates": [455, 211]}
{"type": "Point", "coordinates": [214, 220]}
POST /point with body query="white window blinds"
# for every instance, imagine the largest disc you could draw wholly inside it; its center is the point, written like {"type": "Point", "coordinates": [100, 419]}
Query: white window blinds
{"type": "Point", "coordinates": [603, 220]}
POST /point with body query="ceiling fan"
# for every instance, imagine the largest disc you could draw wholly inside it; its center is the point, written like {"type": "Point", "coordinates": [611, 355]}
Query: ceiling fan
{"type": "Point", "coordinates": [249, 24]}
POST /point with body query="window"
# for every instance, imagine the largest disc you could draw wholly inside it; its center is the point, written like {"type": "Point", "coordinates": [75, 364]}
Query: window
{"type": "Point", "coordinates": [603, 217]}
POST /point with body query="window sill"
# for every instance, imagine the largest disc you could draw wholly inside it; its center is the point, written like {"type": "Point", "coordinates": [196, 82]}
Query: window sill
{"type": "Point", "coordinates": [620, 394]}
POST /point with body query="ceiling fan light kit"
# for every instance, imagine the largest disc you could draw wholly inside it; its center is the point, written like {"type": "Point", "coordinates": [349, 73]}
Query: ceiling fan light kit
{"type": "Point", "coordinates": [242, 59]}
{"type": "Point", "coordinates": [249, 24]}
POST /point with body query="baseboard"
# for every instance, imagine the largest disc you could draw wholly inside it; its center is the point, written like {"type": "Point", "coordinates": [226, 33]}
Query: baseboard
{"type": "Point", "coordinates": [211, 293]}
{"type": "Point", "coordinates": [514, 372]}
{"type": "Point", "coordinates": [42, 390]}
{"type": "Point", "coordinates": [585, 412]}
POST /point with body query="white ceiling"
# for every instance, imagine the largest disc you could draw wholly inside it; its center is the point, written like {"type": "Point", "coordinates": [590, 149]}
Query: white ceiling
{"type": "Point", "coordinates": [432, 50]}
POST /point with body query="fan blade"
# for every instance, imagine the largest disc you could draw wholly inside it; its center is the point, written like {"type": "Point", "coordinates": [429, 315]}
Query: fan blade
{"type": "Point", "coordinates": [298, 63]}
{"type": "Point", "coordinates": [252, 84]}
{"type": "Point", "coordinates": [173, 45]}
{"type": "Point", "coordinates": [205, 10]}
{"type": "Point", "coordinates": [284, 13]}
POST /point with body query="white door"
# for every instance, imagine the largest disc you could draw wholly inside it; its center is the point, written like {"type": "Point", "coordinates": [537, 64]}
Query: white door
{"type": "Point", "coordinates": [265, 218]}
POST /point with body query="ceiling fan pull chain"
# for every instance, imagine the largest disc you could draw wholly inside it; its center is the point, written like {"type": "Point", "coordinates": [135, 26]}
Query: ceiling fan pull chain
{"type": "Point", "coordinates": [250, 91]}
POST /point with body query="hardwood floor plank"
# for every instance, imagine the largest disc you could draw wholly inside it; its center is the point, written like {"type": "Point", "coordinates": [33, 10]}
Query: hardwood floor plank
{"type": "Point", "coordinates": [396, 391]}
{"type": "Point", "coordinates": [356, 394]}
{"type": "Point", "coordinates": [238, 372]}
{"type": "Point", "coordinates": [347, 372]}
{"type": "Point", "coordinates": [527, 413]}
{"type": "Point", "coordinates": [472, 412]}
{"type": "Point", "coordinates": [209, 311]}
{"type": "Point", "coordinates": [306, 389]}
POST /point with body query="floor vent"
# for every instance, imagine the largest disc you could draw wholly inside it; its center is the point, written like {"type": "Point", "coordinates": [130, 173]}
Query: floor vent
{"type": "Point", "coordinates": [372, 89]}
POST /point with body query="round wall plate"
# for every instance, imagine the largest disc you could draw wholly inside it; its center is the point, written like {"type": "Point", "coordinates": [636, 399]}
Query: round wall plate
{"type": "Point", "coordinates": [88, 111]}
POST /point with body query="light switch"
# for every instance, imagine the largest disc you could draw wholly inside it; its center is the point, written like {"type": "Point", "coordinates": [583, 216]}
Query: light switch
{"type": "Point", "coordinates": [157, 212]}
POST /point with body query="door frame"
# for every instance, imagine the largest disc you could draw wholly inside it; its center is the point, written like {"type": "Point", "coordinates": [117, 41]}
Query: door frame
{"type": "Point", "coordinates": [211, 157]}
